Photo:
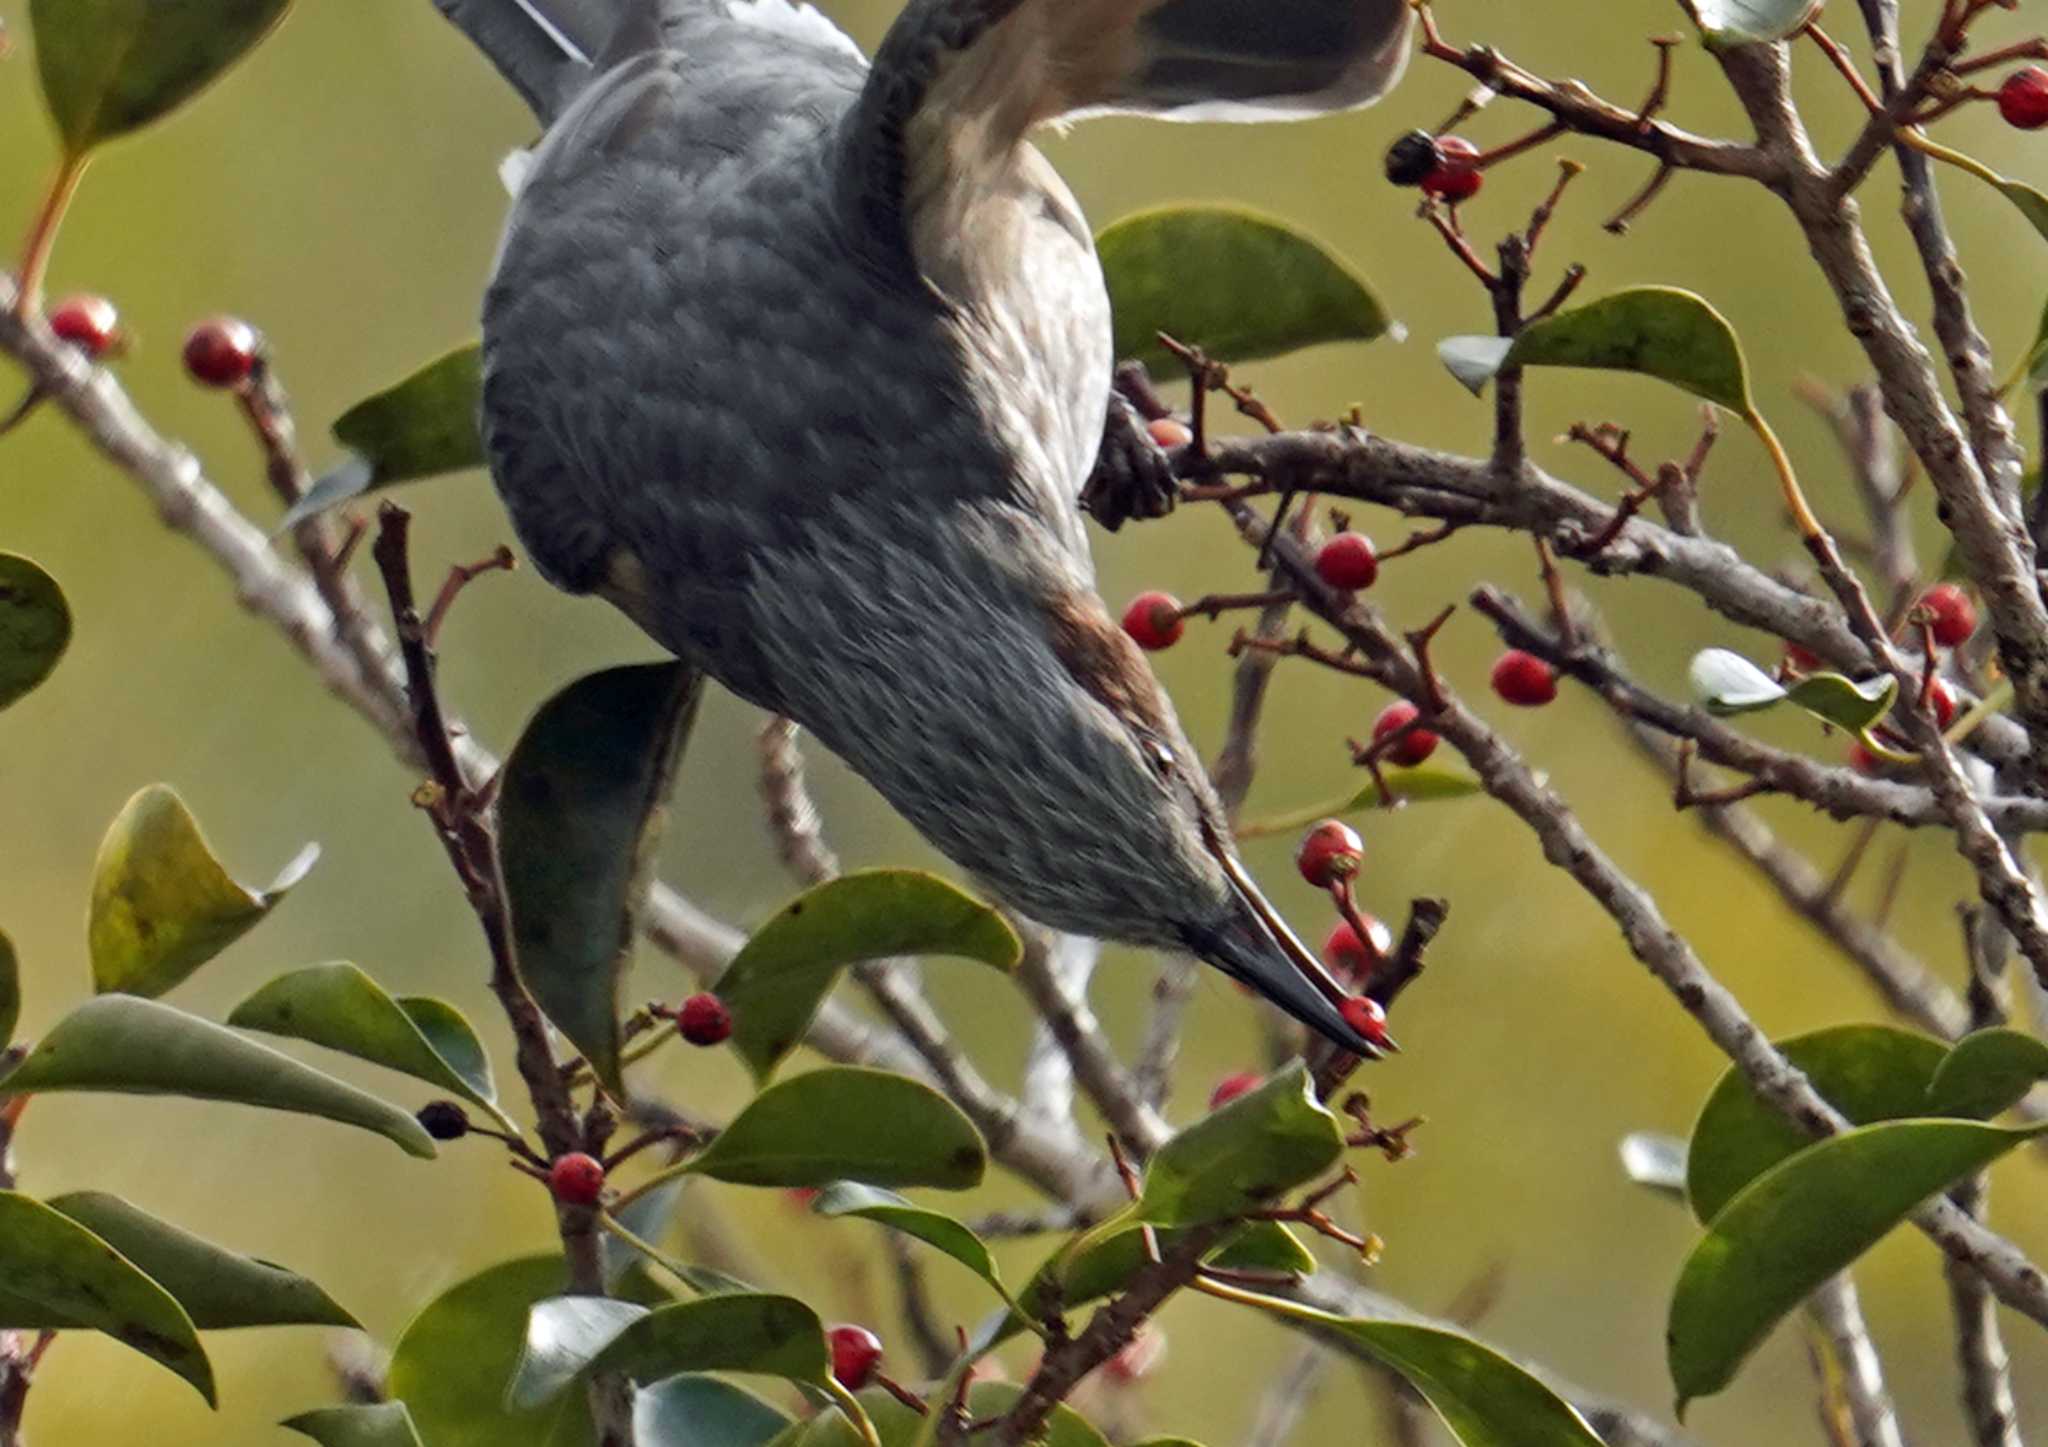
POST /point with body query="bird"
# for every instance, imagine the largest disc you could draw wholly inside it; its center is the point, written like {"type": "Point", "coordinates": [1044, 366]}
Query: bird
{"type": "Point", "coordinates": [803, 362]}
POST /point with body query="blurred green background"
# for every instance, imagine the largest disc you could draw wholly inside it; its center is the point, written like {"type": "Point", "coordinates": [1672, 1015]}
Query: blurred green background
{"type": "Point", "coordinates": [339, 189]}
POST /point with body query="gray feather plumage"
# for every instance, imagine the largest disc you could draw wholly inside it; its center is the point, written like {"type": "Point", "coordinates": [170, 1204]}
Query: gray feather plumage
{"type": "Point", "coordinates": [803, 366]}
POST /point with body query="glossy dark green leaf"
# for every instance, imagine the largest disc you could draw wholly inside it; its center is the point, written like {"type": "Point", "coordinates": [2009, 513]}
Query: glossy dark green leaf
{"type": "Point", "coordinates": [1868, 1072]}
{"type": "Point", "coordinates": [10, 991]}
{"type": "Point", "coordinates": [35, 626]}
{"type": "Point", "coordinates": [453, 1364]}
{"type": "Point", "coordinates": [370, 1424]}
{"type": "Point", "coordinates": [694, 1411]}
{"type": "Point", "coordinates": [218, 1288]}
{"type": "Point", "coordinates": [1243, 1156]}
{"type": "Point", "coordinates": [1987, 1072]}
{"type": "Point", "coordinates": [1797, 1224]}
{"type": "Point", "coordinates": [162, 904]}
{"type": "Point", "coordinates": [340, 1007]}
{"type": "Point", "coordinates": [580, 804]}
{"type": "Point", "coordinates": [847, 1124]}
{"type": "Point", "coordinates": [1419, 785]}
{"type": "Point", "coordinates": [1653, 331]}
{"type": "Point", "coordinates": [1238, 285]}
{"type": "Point", "coordinates": [781, 976]}
{"type": "Point", "coordinates": [1485, 1399]}
{"type": "Point", "coordinates": [934, 1228]}
{"type": "Point", "coordinates": [55, 1265]}
{"type": "Point", "coordinates": [765, 1335]}
{"type": "Point", "coordinates": [422, 425]}
{"type": "Point", "coordinates": [1655, 1161]}
{"type": "Point", "coordinates": [126, 1045]}
{"type": "Point", "coordinates": [112, 66]}
{"type": "Point", "coordinates": [1747, 22]}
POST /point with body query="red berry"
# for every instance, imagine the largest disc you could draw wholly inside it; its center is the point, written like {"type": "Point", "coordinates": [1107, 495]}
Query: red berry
{"type": "Point", "coordinates": [1366, 1017]}
{"type": "Point", "coordinates": [2023, 99]}
{"type": "Point", "coordinates": [89, 323]}
{"type": "Point", "coordinates": [1455, 179]}
{"type": "Point", "coordinates": [1524, 680]}
{"type": "Point", "coordinates": [1942, 699]}
{"type": "Point", "coordinates": [1153, 620]}
{"type": "Point", "coordinates": [1230, 1087]}
{"type": "Point", "coordinates": [1415, 745]}
{"type": "Point", "coordinates": [1955, 616]}
{"type": "Point", "coordinates": [1330, 852]}
{"type": "Point", "coordinates": [1863, 761]}
{"type": "Point", "coordinates": [1140, 1355]}
{"type": "Point", "coordinates": [576, 1179]}
{"type": "Point", "coordinates": [855, 1353]}
{"type": "Point", "coordinates": [704, 1020]}
{"type": "Point", "coordinates": [1348, 561]}
{"type": "Point", "coordinates": [1169, 432]}
{"type": "Point", "coordinates": [1355, 959]}
{"type": "Point", "coordinates": [222, 352]}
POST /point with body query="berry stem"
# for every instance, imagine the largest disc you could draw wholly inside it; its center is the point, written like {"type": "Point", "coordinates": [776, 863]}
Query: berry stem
{"type": "Point", "coordinates": [42, 235]}
{"type": "Point", "coordinates": [856, 1415]}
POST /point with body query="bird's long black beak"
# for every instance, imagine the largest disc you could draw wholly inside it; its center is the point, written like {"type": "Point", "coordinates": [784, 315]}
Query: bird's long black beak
{"type": "Point", "coordinates": [1256, 946]}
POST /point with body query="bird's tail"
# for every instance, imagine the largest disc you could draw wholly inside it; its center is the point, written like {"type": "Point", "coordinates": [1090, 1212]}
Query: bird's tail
{"type": "Point", "coordinates": [544, 48]}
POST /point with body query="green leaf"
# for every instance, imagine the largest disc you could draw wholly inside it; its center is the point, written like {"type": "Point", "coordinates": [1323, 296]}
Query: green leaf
{"type": "Point", "coordinates": [579, 808]}
{"type": "Point", "coordinates": [57, 1266]}
{"type": "Point", "coordinates": [1167, 1442]}
{"type": "Point", "coordinates": [162, 904]}
{"type": "Point", "coordinates": [422, 425]}
{"type": "Point", "coordinates": [1842, 701]}
{"type": "Point", "coordinates": [1654, 331]}
{"type": "Point", "coordinates": [1238, 285]}
{"type": "Point", "coordinates": [10, 991]}
{"type": "Point", "coordinates": [372, 1424]}
{"type": "Point", "coordinates": [1102, 1267]}
{"type": "Point", "coordinates": [217, 1288]}
{"type": "Point", "coordinates": [845, 1123]}
{"type": "Point", "coordinates": [693, 1411]}
{"type": "Point", "coordinates": [113, 66]}
{"type": "Point", "coordinates": [1655, 1161]}
{"type": "Point", "coordinates": [571, 1336]}
{"type": "Point", "coordinates": [934, 1228]}
{"type": "Point", "coordinates": [2031, 203]}
{"type": "Point", "coordinates": [1868, 1072]}
{"type": "Point", "coordinates": [1987, 1072]}
{"type": "Point", "coordinates": [1485, 1399]}
{"type": "Point", "coordinates": [1241, 1157]}
{"type": "Point", "coordinates": [1745, 22]}
{"type": "Point", "coordinates": [781, 976]}
{"type": "Point", "coordinates": [35, 626]}
{"type": "Point", "coordinates": [342, 1008]}
{"type": "Point", "coordinates": [132, 1046]}
{"type": "Point", "coordinates": [1419, 785]}
{"type": "Point", "coordinates": [453, 1363]}
{"type": "Point", "coordinates": [1796, 1225]}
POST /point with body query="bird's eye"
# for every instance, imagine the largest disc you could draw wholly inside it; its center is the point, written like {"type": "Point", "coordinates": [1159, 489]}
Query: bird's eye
{"type": "Point", "coordinates": [1160, 757]}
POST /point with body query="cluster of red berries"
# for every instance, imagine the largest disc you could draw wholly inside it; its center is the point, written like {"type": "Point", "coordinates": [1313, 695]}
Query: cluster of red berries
{"type": "Point", "coordinates": [2023, 99]}
{"type": "Point", "coordinates": [1446, 167]}
{"type": "Point", "coordinates": [1951, 619]}
{"type": "Point", "coordinates": [1157, 620]}
{"type": "Point", "coordinates": [220, 352]}
{"type": "Point", "coordinates": [1329, 858]}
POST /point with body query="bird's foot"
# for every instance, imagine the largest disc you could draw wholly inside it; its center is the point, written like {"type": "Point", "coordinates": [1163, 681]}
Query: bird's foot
{"type": "Point", "coordinates": [1133, 477]}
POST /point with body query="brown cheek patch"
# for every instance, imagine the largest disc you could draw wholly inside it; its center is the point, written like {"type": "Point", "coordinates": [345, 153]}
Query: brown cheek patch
{"type": "Point", "coordinates": [1098, 656]}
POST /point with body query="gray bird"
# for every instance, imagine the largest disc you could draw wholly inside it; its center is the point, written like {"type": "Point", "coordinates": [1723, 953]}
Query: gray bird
{"type": "Point", "coordinates": [803, 363]}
